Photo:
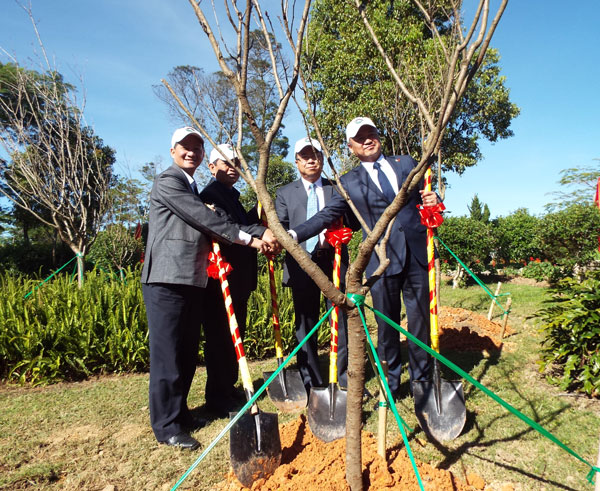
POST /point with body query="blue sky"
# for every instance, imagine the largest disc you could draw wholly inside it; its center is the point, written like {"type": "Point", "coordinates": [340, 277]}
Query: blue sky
{"type": "Point", "coordinates": [549, 55]}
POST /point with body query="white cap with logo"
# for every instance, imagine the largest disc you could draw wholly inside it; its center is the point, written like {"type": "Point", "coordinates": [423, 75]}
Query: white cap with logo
{"type": "Point", "coordinates": [355, 125]}
{"type": "Point", "coordinates": [306, 142]}
{"type": "Point", "coordinates": [181, 133]}
{"type": "Point", "coordinates": [226, 152]}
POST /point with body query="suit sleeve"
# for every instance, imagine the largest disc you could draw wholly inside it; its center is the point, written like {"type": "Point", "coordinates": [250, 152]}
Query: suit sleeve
{"type": "Point", "coordinates": [176, 196]}
{"type": "Point", "coordinates": [336, 208]}
{"type": "Point", "coordinates": [281, 209]}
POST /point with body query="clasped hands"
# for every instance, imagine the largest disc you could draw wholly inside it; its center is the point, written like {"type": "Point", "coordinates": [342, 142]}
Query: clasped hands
{"type": "Point", "coordinates": [267, 244]}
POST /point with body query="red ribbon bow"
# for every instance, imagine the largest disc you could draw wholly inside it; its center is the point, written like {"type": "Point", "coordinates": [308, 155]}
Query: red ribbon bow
{"type": "Point", "coordinates": [338, 236]}
{"type": "Point", "coordinates": [216, 263]}
{"type": "Point", "coordinates": [431, 216]}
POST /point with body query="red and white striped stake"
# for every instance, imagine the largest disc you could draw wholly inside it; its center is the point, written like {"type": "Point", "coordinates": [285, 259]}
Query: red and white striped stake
{"type": "Point", "coordinates": [336, 236]}
{"type": "Point", "coordinates": [219, 268]}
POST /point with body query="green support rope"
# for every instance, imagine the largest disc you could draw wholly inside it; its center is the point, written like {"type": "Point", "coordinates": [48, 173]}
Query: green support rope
{"type": "Point", "coordinates": [488, 392]}
{"type": "Point", "coordinates": [250, 402]}
{"type": "Point", "coordinates": [57, 271]}
{"type": "Point", "coordinates": [474, 276]}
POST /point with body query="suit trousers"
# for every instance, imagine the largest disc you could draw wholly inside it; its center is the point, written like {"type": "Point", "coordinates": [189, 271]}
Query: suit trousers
{"type": "Point", "coordinates": [219, 353]}
{"type": "Point", "coordinates": [306, 297]}
{"type": "Point", "coordinates": [413, 284]}
{"type": "Point", "coordinates": [173, 313]}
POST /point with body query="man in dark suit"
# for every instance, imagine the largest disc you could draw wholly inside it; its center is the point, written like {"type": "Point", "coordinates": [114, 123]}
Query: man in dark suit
{"type": "Point", "coordinates": [174, 278]}
{"type": "Point", "coordinates": [372, 186]}
{"type": "Point", "coordinates": [309, 194]}
{"type": "Point", "coordinates": [221, 361]}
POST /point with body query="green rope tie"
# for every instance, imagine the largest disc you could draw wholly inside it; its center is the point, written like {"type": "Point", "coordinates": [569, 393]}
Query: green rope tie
{"type": "Point", "coordinates": [356, 299]}
{"type": "Point", "coordinates": [57, 271]}
{"type": "Point", "coordinates": [489, 393]}
{"type": "Point", "coordinates": [479, 282]}
{"type": "Point", "coordinates": [252, 400]}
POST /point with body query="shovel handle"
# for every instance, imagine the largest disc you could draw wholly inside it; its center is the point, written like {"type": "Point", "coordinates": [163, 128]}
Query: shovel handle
{"type": "Point", "coordinates": [433, 309]}
{"type": "Point", "coordinates": [274, 305]}
{"type": "Point", "coordinates": [233, 324]}
{"type": "Point", "coordinates": [335, 318]}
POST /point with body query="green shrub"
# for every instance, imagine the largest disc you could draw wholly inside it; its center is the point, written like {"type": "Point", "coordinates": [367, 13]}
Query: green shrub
{"type": "Point", "coordinates": [542, 271]}
{"type": "Point", "coordinates": [62, 332]}
{"type": "Point", "coordinates": [571, 323]}
{"type": "Point", "coordinates": [515, 236]}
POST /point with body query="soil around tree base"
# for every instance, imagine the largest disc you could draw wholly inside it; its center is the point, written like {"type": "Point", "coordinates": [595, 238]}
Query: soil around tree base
{"type": "Point", "coordinates": [308, 463]}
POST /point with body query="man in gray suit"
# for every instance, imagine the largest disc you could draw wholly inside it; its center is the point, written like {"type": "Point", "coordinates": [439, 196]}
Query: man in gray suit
{"type": "Point", "coordinates": [174, 276]}
{"type": "Point", "coordinates": [293, 205]}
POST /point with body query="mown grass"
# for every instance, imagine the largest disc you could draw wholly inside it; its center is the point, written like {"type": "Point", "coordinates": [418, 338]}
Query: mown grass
{"type": "Point", "coordinates": [96, 433]}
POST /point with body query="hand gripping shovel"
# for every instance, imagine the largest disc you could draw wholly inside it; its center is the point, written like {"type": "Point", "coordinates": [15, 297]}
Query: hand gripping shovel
{"type": "Point", "coordinates": [254, 444]}
{"type": "Point", "coordinates": [327, 405]}
{"type": "Point", "coordinates": [286, 391]}
{"type": "Point", "coordinates": [439, 404]}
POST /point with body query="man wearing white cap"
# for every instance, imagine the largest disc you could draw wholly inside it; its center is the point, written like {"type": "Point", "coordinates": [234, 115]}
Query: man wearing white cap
{"type": "Point", "coordinates": [372, 186]}
{"type": "Point", "coordinates": [295, 203]}
{"type": "Point", "coordinates": [220, 357]}
{"type": "Point", "coordinates": [174, 278]}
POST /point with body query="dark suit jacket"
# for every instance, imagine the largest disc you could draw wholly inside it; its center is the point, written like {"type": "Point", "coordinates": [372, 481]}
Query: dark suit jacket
{"type": "Point", "coordinates": [290, 205]}
{"type": "Point", "coordinates": [242, 258]}
{"type": "Point", "coordinates": [180, 231]}
{"type": "Point", "coordinates": [371, 203]}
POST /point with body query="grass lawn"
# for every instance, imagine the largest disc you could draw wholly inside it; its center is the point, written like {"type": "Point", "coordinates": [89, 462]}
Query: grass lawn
{"type": "Point", "coordinates": [96, 434]}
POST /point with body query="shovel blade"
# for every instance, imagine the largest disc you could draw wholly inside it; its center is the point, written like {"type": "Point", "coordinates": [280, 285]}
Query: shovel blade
{"type": "Point", "coordinates": [255, 447]}
{"type": "Point", "coordinates": [442, 418]}
{"type": "Point", "coordinates": [287, 392]}
{"type": "Point", "coordinates": [327, 412]}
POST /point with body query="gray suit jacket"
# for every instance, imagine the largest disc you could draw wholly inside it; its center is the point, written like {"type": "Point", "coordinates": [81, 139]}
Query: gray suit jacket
{"type": "Point", "coordinates": [180, 231]}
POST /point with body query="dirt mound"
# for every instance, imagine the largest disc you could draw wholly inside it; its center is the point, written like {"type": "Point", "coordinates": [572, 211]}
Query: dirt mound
{"type": "Point", "coordinates": [463, 330]}
{"type": "Point", "coordinates": [308, 463]}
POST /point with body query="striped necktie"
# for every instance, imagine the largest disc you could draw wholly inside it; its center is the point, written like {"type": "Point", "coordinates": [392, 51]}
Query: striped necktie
{"type": "Point", "coordinates": [312, 207]}
{"type": "Point", "coordinates": [384, 182]}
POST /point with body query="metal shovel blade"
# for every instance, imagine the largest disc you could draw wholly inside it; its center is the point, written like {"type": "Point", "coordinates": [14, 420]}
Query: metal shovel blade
{"type": "Point", "coordinates": [327, 412]}
{"type": "Point", "coordinates": [440, 409]}
{"type": "Point", "coordinates": [255, 447]}
{"type": "Point", "coordinates": [287, 391]}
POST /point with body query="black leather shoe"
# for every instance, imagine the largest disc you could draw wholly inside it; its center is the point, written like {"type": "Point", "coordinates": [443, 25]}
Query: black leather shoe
{"type": "Point", "coordinates": [182, 440]}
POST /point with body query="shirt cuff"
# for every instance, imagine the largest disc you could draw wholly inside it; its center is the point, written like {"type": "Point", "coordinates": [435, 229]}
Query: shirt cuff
{"type": "Point", "coordinates": [293, 234]}
{"type": "Point", "coordinates": [244, 238]}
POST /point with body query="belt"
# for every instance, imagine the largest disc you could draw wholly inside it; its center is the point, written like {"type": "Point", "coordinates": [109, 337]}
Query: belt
{"type": "Point", "coordinates": [323, 252]}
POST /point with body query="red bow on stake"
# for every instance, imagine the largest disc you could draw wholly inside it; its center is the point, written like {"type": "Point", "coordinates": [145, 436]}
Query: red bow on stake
{"type": "Point", "coordinates": [431, 216]}
{"type": "Point", "coordinates": [216, 263]}
{"type": "Point", "coordinates": [338, 236]}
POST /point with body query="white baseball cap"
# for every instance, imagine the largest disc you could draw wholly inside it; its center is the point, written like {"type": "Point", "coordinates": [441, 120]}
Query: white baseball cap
{"type": "Point", "coordinates": [306, 142]}
{"type": "Point", "coordinates": [355, 125]}
{"type": "Point", "coordinates": [181, 133]}
{"type": "Point", "coordinates": [226, 152]}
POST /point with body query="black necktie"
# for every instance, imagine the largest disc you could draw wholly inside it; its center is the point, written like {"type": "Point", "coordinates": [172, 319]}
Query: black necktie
{"type": "Point", "coordinates": [384, 182]}
{"type": "Point", "coordinates": [194, 187]}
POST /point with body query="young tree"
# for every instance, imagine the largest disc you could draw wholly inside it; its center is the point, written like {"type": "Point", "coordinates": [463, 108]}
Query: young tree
{"type": "Point", "coordinates": [581, 181]}
{"type": "Point", "coordinates": [478, 210]}
{"type": "Point", "coordinates": [456, 60]}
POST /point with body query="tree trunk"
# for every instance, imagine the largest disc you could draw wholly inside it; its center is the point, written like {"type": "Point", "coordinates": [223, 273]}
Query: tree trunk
{"type": "Point", "coordinates": [356, 384]}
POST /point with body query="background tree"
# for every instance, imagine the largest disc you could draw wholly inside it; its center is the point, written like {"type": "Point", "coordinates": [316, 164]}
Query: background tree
{"type": "Point", "coordinates": [478, 210]}
{"type": "Point", "coordinates": [365, 86]}
{"type": "Point", "coordinates": [581, 181]}
{"type": "Point", "coordinates": [59, 171]}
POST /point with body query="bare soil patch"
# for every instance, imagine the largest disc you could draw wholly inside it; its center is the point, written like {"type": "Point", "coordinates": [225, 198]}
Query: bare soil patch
{"type": "Point", "coordinates": [308, 463]}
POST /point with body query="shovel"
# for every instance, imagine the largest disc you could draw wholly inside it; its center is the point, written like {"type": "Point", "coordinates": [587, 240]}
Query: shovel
{"type": "Point", "coordinates": [439, 404]}
{"type": "Point", "coordinates": [327, 405]}
{"type": "Point", "coordinates": [286, 391]}
{"type": "Point", "coordinates": [254, 443]}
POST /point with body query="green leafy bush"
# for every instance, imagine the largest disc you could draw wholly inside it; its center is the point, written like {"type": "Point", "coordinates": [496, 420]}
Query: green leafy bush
{"type": "Point", "coordinates": [515, 236]}
{"type": "Point", "coordinates": [542, 271]}
{"type": "Point", "coordinates": [571, 323]}
{"type": "Point", "coordinates": [62, 332]}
